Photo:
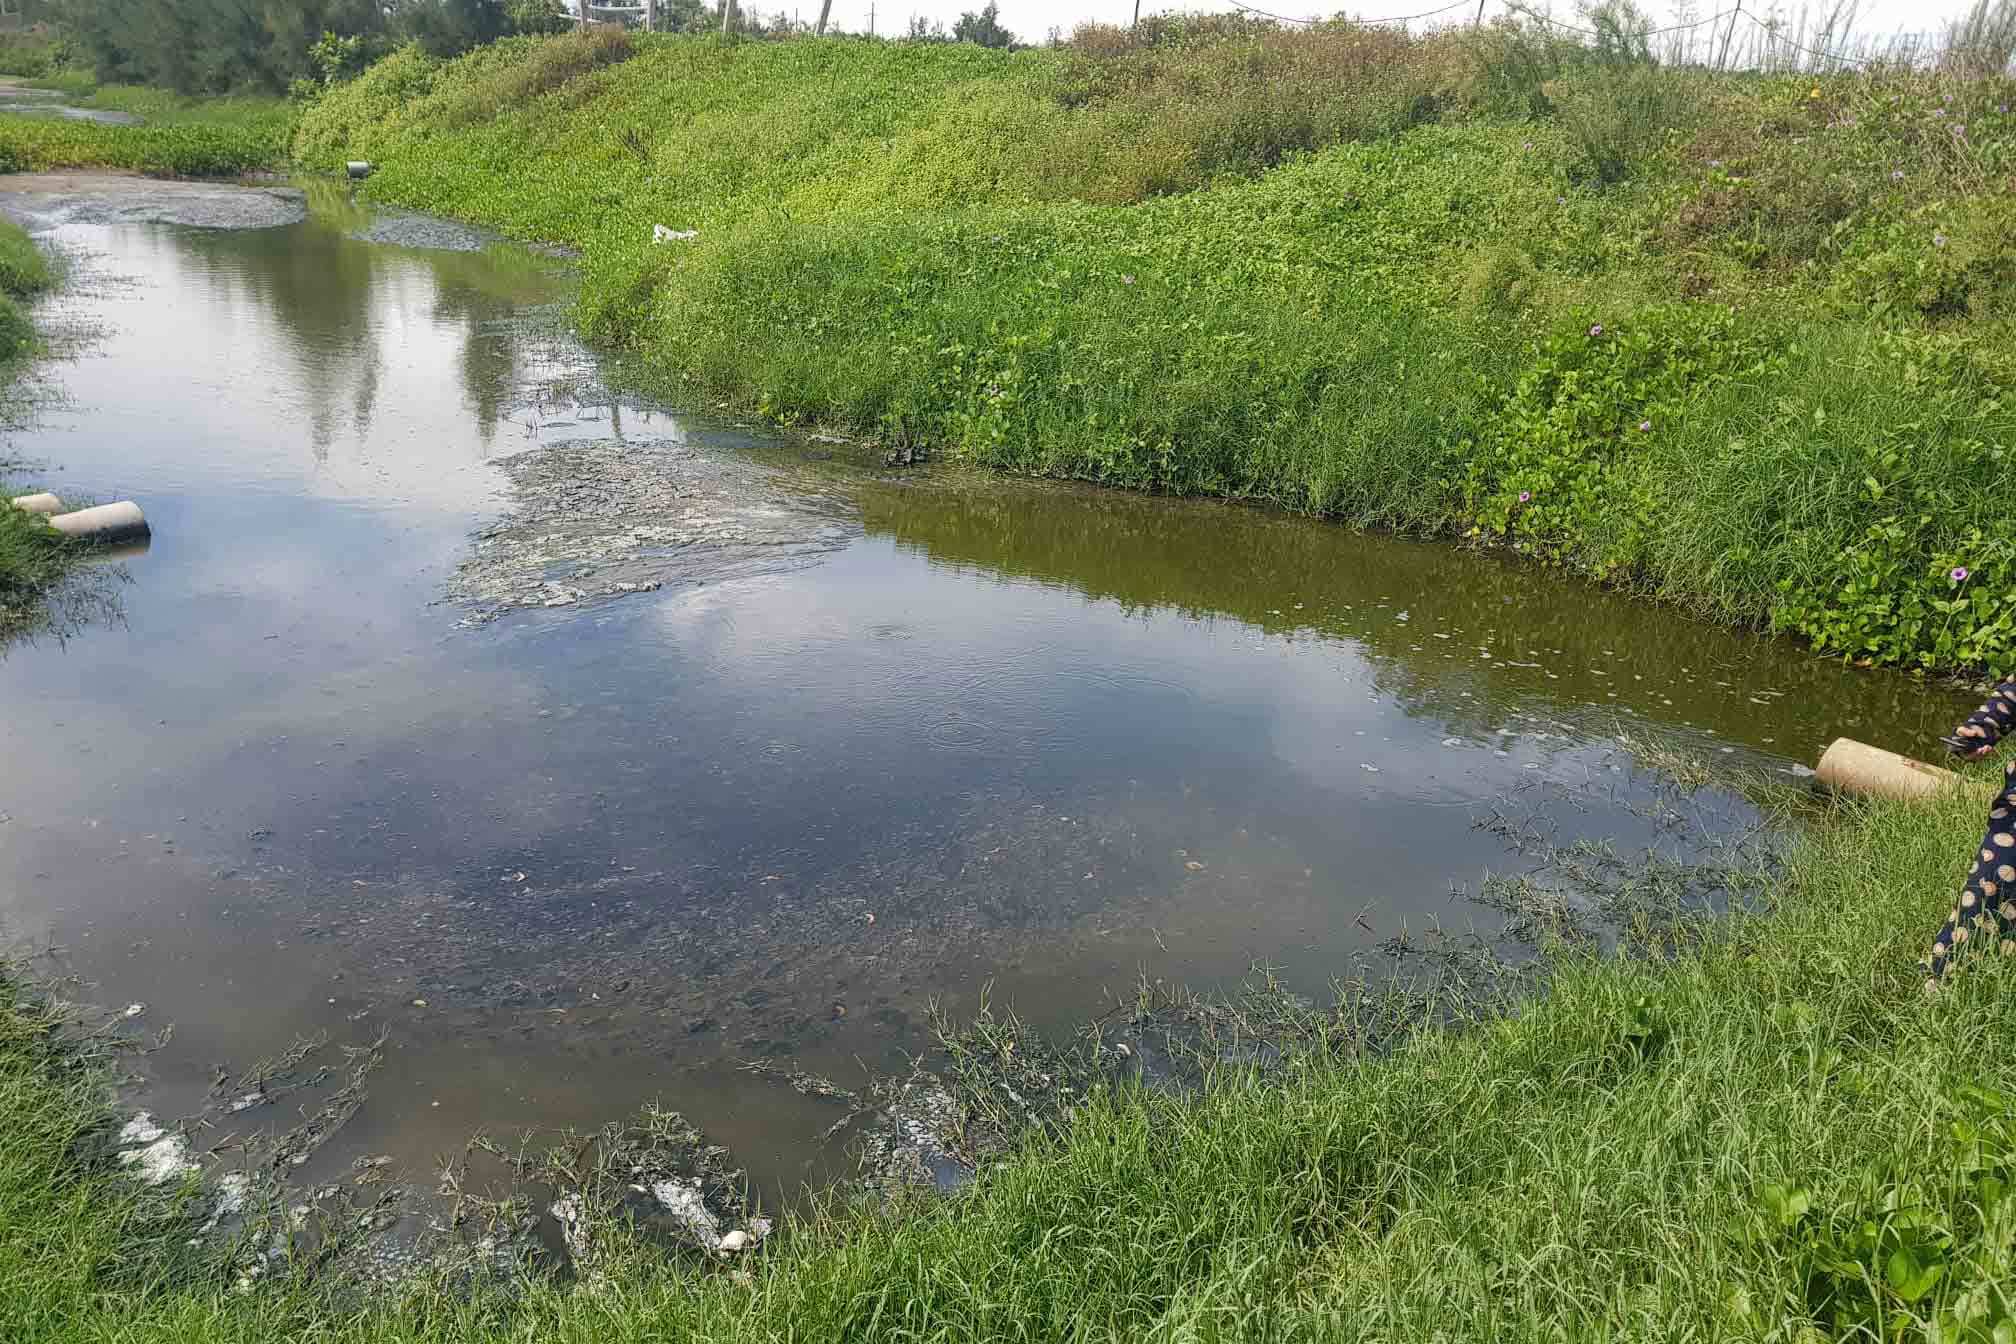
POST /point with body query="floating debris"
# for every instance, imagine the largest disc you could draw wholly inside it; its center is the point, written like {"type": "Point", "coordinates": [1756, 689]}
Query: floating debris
{"type": "Point", "coordinates": [156, 1155]}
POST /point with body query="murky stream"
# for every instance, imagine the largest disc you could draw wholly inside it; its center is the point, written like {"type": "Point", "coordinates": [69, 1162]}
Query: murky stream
{"type": "Point", "coordinates": [849, 739]}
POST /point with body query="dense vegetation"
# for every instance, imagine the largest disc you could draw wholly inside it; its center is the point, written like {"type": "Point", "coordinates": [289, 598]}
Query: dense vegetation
{"type": "Point", "coordinates": [32, 555]}
{"type": "Point", "coordinates": [189, 137]}
{"type": "Point", "coordinates": [33, 53]}
{"type": "Point", "coordinates": [1739, 340]}
{"type": "Point", "coordinates": [232, 46]}
{"type": "Point", "coordinates": [1772, 1135]}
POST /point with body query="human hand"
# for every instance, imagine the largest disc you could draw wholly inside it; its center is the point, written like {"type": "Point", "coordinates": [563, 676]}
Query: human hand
{"type": "Point", "coordinates": [1969, 747]}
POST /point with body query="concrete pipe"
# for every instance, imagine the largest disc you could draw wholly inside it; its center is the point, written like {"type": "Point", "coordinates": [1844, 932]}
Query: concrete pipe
{"type": "Point", "coordinates": [106, 523]}
{"type": "Point", "coordinates": [359, 169]}
{"type": "Point", "coordinates": [42, 503]}
{"type": "Point", "coordinates": [1856, 767]}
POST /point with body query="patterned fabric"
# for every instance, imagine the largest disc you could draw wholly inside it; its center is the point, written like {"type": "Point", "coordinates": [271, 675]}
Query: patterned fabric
{"type": "Point", "coordinates": [1985, 916]}
{"type": "Point", "coordinates": [1985, 726]}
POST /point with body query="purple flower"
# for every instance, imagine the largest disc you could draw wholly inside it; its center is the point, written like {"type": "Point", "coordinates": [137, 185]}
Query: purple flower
{"type": "Point", "coordinates": [1527, 145]}
{"type": "Point", "coordinates": [1938, 111]}
{"type": "Point", "coordinates": [1896, 174]}
{"type": "Point", "coordinates": [2003, 109]}
{"type": "Point", "coordinates": [1126, 279]}
{"type": "Point", "coordinates": [1959, 574]}
{"type": "Point", "coordinates": [1525, 496]}
{"type": "Point", "coordinates": [1596, 330]}
{"type": "Point", "coordinates": [1560, 200]}
{"type": "Point", "coordinates": [1644, 426]}
{"type": "Point", "coordinates": [1960, 129]}
{"type": "Point", "coordinates": [1714, 163]}
{"type": "Point", "coordinates": [1938, 240]}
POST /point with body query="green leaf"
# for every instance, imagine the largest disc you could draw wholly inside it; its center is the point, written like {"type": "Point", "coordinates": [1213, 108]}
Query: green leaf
{"type": "Point", "coordinates": [1910, 1278]}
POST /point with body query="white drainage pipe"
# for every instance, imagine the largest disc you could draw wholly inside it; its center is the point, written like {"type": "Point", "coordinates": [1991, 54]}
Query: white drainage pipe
{"type": "Point", "coordinates": [106, 523]}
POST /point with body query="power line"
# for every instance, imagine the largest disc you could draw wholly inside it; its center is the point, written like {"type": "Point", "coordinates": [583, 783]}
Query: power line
{"type": "Point", "coordinates": [1650, 32]}
{"type": "Point", "coordinates": [1352, 23]}
{"type": "Point", "coordinates": [1736, 10]}
{"type": "Point", "coordinates": [1823, 55]}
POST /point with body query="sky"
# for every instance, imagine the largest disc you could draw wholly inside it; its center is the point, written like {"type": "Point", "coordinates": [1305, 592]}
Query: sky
{"type": "Point", "coordinates": [1032, 19]}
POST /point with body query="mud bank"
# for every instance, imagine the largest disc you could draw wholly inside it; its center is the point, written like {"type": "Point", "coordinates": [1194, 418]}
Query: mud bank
{"type": "Point", "coordinates": [45, 201]}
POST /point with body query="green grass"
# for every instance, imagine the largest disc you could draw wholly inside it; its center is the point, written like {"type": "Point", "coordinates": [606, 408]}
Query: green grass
{"type": "Point", "coordinates": [32, 556]}
{"type": "Point", "coordinates": [1772, 1132]}
{"type": "Point", "coordinates": [1344, 272]}
{"type": "Point", "coordinates": [178, 136]}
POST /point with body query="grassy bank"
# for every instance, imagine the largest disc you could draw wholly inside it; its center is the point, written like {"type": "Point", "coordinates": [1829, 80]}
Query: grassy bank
{"type": "Point", "coordinates": [1773, 1135]}
{"type": "Point", "coordinates": [1737, 340]}
{"type": "Point", "coordinates": [187, 137]}
{"type": "Point", "coordinates": [32, 556]}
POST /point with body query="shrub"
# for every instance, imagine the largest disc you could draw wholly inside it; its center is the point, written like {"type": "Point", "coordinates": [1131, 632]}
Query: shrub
{"type": "Point", "coordinates": [1559, 469]}
{"type": "Point", "coordinates": [1904, 450]}
{"type": "Point", "coordinates": [349, 121]}
{"type": "Point", "coordinates": [517, 70]}
{"type": "Point", "coordinates": [1944, 259]}
{"type": "Point", "coordinates": [32, 54]}
{"type": "Point", "coordinates": [1619, 116]}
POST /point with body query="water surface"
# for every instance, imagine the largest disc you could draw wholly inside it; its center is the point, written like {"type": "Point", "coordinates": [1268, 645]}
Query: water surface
{"type": "Point", "coordinates": [576, 859]}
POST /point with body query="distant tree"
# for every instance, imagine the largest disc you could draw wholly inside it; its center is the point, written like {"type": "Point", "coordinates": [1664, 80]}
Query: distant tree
{"type": "Point", "coordinates": [450, 27]}
{"type": "Point", "coordinates": [220, 46]}
{"type": "Point", "coordinates": [926, 30]}
{"type": "Point", "coordinates": [215, 46]}
{"type": "Point", "coordinates": [539, 16]}
{"type": "Point", "coordinates": [684, 16]}
{"type": "Point", "coordinates": [984, 28]}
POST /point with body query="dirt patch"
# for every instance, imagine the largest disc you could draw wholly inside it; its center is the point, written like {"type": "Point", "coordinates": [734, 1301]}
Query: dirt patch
{"type": "Point", "coordinates": [43, 201]}
{"type": "Point", "coordinates": [399, 228]}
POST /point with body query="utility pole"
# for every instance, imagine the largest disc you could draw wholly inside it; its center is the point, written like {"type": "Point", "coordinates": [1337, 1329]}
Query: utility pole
{"type": "Point", "coordinates": [650, 11]}
{"type": "Point", "coordinates": [727, 8]}
{"type": "Point", "coordinates": [1722, 63]}
{"type": "Point", "coordinates": [1480, 15]}
{"type": "Point", "coordinates": [1137, 13]}
{"type": "Point", "coordinates": [871, 20]}
{"type": "Point", "coordinates": [824, 10]}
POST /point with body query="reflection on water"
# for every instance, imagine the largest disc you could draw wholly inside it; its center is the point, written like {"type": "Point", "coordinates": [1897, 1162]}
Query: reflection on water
{"type": "Point", "coordinates": [583, 858]}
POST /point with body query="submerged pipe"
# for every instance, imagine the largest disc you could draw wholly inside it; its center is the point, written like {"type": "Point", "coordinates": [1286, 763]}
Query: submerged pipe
{"type": "Point", "coordinates": [42, 503]}
{"type": "Point", "coordinates": [1857, 767]}
{"type": "Point", "coordinates": [106, 523]}
{"type": "Point", "coordinates": [359, 169]}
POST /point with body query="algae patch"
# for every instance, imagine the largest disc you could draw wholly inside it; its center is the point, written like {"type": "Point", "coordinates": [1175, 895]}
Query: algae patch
{"type": "Point", "coordinates": [604, 518]}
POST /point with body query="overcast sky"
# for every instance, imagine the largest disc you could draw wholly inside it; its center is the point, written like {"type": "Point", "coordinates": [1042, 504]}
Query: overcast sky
{"type": "Point", "coordinates": [1031, 19]}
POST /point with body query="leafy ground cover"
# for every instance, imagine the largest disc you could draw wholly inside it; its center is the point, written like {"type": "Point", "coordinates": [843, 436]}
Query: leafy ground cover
{"type": "Point", "coordinates": [1737, 340]}
{"type": "Point", "coordinates": [32, 556]}
{"type": "Point", "coordinates": [177, 136]}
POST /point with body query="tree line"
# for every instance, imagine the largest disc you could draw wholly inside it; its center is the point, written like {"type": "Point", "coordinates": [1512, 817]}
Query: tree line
{"type": "Point", "coordinates": [223, 46]}
{"type": "Point", "coordinates": [278, 46]}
